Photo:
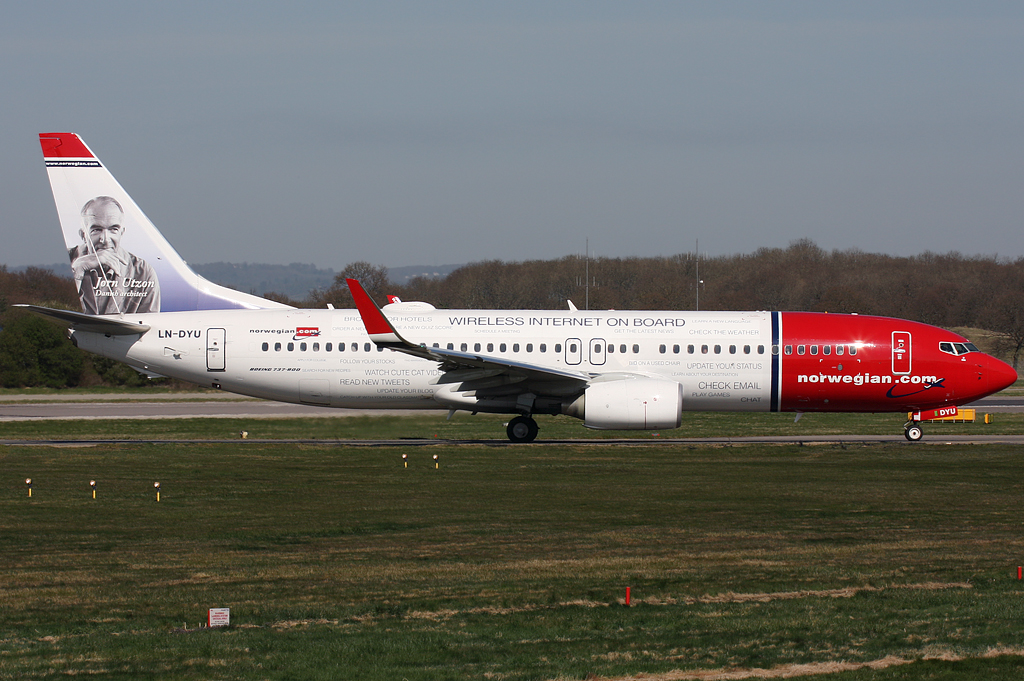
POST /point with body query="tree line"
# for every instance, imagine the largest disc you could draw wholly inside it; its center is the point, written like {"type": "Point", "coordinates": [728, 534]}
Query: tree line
{"type": "Point", "coordinates": [949, 290]}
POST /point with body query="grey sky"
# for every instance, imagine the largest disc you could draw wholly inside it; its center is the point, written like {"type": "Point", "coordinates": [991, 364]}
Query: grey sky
{"type": "Point", "coordinates": [431, 133]}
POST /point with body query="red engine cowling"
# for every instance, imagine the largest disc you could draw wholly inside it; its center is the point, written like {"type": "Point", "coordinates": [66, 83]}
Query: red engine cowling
{"type": "Point", "coordinates": [629, 404]}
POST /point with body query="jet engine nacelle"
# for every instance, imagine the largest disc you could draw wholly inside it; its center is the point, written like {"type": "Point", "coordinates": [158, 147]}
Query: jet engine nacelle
{"type": "Point", "coordinates": [630, 404]}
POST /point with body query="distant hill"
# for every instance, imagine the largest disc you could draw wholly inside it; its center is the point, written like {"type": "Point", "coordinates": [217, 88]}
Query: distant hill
{"type": "Point", "coordinates": [298, 279]}
{"type": "Point", "coordinates": [61, 269]}
{"type": "Point", "coordinates": [402, 275]}
{"type": "Point", "coordinates": [295, 280]}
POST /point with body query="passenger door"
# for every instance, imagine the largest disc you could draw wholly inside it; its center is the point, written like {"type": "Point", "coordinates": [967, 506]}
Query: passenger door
{"type": "Point", "coordinates": [215, 349]}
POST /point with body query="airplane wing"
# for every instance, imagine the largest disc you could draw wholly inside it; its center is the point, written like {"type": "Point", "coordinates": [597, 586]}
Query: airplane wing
{"type": "Point", "coordinates": [110, 326]}
{"type": "Point", "coordinates": [472, 370]}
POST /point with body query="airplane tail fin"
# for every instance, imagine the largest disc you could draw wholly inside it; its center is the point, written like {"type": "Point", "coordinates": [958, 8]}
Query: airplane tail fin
{"type": "Point", "coordinates": [120, 261]}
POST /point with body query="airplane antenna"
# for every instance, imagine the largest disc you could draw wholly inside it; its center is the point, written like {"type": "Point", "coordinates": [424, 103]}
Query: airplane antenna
{"type": "Point", "coordinates": [586, 283]}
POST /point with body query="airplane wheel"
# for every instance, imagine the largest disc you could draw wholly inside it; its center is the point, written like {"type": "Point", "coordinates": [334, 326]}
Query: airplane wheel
{"type": "Point", "coordinates": [522, 429]}
{"type": "Point", "coordinates": [913, 433]}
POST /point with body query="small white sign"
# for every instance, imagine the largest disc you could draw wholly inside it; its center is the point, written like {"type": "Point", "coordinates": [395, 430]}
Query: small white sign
{"type": "Point", "coordinates": [219, 617]}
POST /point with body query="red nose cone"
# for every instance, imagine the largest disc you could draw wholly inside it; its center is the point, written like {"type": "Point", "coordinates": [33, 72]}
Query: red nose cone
{"type": "Point", "coordinates": [1000, 375]}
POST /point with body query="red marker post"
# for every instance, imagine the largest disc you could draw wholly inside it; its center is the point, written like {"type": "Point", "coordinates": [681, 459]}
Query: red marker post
{"type": "Point", "coordinates": [627, 596]}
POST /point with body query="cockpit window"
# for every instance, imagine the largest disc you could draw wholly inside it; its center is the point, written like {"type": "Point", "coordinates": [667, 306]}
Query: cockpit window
{"type": "Point", "coordinates": [958, 348]}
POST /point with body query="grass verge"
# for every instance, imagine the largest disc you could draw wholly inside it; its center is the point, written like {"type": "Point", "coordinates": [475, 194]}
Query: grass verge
{"type": "Point", "coordinates": [340, 562]}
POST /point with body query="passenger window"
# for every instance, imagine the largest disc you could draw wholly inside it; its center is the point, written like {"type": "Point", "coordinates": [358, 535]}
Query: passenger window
{"type": "Point", "coordinates": [662, 349]}
{"type": "Point", "coordinates": [760, 349]}
{"type": "Point", "coordinates": [814, 349]}
{"type": "Point", "coordinates": [746, 349]}
{"type": "Point", "coordinates": [718, 349]}
{"type": "Point", "coordinates": [703, 349]}
{"type": "Point", "coordinates": [529, 347]}
{"type": "Point", "coordinates": [476, 347]}
{"type": "Point", "coordinates": [515, 347]}
{"type": "Point", "coordinates": [622, 348]}
{"type": "Point", "coordinates": [732, 349]}
{"type": "Point", "coordinates": [839, 349]}
{"type": "Point", "coordinates": [291, 347]}
{"type": "Point", "coordinates": [611, 348]}
{"type": "Point", "coordinates": [853, 349]}
{"type": "Point", "coordinates": [380, 348]}
{"type": "Point", "coordinates": [572, 348]}
{"type": "Point", "coordinates": [451, 346]}
{"type": "Point", "coordinates": [302, 346]}
{"type": "Point", "coordinates": [800, 349]}
{"type": "Point", "coordinates": [689, 349]}
{"type": "Point", "coordinates": [464, 347]}
{"type": "Point", "coordinates": [366, 347]}
{"type": "Point", "coordinates": [328, 347]}
{"type": "Point", "coordinates": [502, 347]}
{"type": "Point", "coordinates": [789, 349]}
{"type": "Point", "coordinates": [355, 347]}
{"type": "Point", "coordinates": [597, 348]}
{"type": "Point", "coordinates": [543, 347]}
{"type": "Point", "coordinates": [266, 346]}
{"type": "Point", "coordinates": [558, 347]}
{"type": "Point", "coordinates": [675, 349]}
{"type": "Point", "coordinates": [341, 347]}
{"type": "Point", "coordinates": [490, 347]}
{"type": "Point", "coordinates": [826, 349]}
{"type": "Point", "coordinates": [316, 347]}
{"type": "Point", "coordinates": [277, 347]}
{"type": "Point", "coordinates": [636, 349]}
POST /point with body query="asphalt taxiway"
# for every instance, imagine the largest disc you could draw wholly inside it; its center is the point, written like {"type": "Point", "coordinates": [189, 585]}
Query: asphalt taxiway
{"type": "Point", "coordinates": [223, 405]}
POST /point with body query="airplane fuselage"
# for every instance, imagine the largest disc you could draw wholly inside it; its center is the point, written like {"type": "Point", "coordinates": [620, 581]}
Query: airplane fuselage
{"type": "Point", "coordinates": [723, 361]}
{"type": "Point", "coordinates": [611, 369]}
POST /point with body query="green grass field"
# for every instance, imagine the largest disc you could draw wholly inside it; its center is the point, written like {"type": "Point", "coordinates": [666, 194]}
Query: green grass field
{"type": "Point", "coordinates": [506, 562]}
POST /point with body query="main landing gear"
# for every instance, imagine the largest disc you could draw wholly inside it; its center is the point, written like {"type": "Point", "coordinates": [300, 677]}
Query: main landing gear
{"type": "Point", "coordinates": [912, 431]}
{"type": "Point", "coordinates": [522, 429]}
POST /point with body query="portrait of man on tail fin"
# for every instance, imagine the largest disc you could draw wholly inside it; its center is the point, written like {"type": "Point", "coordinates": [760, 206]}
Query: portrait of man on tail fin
{"type": "Point", "coordinates": [110, 280]}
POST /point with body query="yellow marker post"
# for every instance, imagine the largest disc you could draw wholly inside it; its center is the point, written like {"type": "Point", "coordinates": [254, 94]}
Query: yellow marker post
{"type": "Point", "coordinates": [28, 481]}
{"type": "Point", "coordinates": [435, 461]}
{"type": "Point", "coordinates": [405, 460]}
{"type": "Point", "coordinates": [92, 483]}
{"type": "Point", "coordinates": [157, 485]}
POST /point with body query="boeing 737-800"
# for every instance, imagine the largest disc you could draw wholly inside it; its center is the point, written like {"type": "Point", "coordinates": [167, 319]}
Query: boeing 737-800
{"type": "Point", "coordinates": [142, 305]}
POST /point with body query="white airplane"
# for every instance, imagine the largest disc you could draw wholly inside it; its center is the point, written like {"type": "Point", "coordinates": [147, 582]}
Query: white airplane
{"type": "Point", "coordinates": [143, 306]}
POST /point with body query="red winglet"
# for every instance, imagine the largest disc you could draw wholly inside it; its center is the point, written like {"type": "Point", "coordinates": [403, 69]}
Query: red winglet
{"type": "Point", "coordinates": [63, 145]}
{"type": "Point", "coordinates": [373, 319]}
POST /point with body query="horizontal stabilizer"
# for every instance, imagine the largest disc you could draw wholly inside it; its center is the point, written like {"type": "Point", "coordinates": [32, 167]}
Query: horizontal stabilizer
{"type": "Point", "coordinates": [92, 323]}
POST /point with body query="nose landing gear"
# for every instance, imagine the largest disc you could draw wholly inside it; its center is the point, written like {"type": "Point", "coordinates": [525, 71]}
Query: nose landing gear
{"type": "Point", "coordinates": [912, 431]}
